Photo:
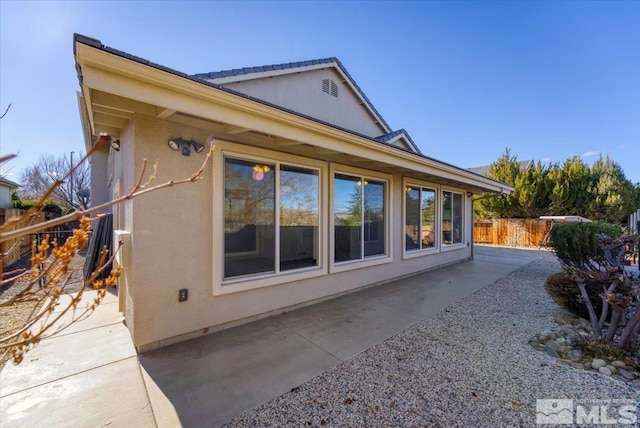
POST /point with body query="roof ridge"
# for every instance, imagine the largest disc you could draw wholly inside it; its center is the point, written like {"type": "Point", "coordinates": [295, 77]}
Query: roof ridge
{"type": "Point", "coordinates": [263, 68]}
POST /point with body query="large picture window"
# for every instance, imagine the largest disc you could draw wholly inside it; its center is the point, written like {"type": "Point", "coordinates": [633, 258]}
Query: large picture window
{"type": "Point", "coordinates": [420, 218]}
{"type": "Point", "coordinates": [451, 218]}
{"type": "Point", "coordinates": [359, 224]}
{"type": "Point", "coordinates": [271, 217]}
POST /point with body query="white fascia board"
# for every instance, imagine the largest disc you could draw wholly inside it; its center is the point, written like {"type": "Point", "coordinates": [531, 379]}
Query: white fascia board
{"type": "Point", "coordinates": [85, 122]}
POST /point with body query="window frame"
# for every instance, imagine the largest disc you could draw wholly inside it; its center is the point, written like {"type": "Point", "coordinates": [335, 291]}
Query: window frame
{"type": "Point", "coordinates": [387, 257]}
{"type": "Point", "coordinates": [409, 182]}
{"type": "Point", "coordinates": [221, 285]}
{"type": "Point", "coordinates": [463, 232]}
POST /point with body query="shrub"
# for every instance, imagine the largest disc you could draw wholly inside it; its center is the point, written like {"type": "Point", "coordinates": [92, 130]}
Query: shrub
{"type": "Point", "coordinates": [25, 204]}
{"type": "Point", "coordinates": [576, 244]}
{"type": "Point", "coordinates": [563, 289]}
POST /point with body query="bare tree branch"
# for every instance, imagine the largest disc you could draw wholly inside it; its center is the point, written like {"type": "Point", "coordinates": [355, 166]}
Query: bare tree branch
{"type": "Point", "coordinates": [5, 111]}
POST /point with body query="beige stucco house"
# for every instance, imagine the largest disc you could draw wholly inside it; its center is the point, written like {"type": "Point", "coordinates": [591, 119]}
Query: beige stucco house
{"type": "Point", "coordinates": [309, 194]}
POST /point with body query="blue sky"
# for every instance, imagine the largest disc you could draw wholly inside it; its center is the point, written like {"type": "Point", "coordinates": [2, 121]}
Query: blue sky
{"type": "Point", "coordinates": [466, 79]}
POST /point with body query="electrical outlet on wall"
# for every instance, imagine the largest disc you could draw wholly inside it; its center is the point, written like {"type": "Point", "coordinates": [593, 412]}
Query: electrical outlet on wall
{"type": "Point", "coordinates": [183, 295]}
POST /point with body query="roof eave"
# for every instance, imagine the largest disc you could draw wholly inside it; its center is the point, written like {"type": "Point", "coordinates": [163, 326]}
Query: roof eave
{"type": "Point", "coordinates": [107, 67]}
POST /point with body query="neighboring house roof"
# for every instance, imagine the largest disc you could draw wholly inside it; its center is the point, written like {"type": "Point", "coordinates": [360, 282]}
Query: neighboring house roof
{"type": "Point", "coordinates": [484, 169]}
{"type": "Point", "coordinates": [8, 183]}
{"type": "Point", "coordinates": [238, 74]}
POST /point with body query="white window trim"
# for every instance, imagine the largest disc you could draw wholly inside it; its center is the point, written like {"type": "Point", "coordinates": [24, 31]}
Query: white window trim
{"type": "Point", "coordinates": [450, 247]}
{"type": "Point", "coordinates": [250, 282]}
{"type": "Point", "coordinates": [410, 254]}
{"type": "Point", "coordinates": [369, 261]}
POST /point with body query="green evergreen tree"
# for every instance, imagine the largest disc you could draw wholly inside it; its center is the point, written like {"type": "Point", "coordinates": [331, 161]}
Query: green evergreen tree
{"type": "Point", "coordinates": [612, 195]}
{"type": "Point", "coordinates": [571, 188]}
{"type": "Point", "coordinates": [507, 170]}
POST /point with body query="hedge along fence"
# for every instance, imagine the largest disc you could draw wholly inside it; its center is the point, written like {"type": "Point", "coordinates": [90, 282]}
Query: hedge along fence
{"type": "Point", "coordinates": [15, 253]}
{"type": "Point", "coordinates": [512, 232]}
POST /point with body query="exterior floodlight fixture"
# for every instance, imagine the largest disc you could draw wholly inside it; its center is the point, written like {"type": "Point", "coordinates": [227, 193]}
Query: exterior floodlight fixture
{"type": "Point", "coordinates": [115, 144]}
{"type": "Point", "coordinates": [469, 194]}
{"type": "Point", "coordinates": [197, 146]}
{"type": "Point", "coordinates": [186, 149]}
{"type": "Point", "coordinates": [185, 146]}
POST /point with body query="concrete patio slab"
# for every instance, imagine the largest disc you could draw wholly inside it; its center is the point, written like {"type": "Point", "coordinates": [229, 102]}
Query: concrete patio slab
{"type": "Point", "coordinates": [66, 356]}
{"type": "Point", "coordinates": [217, 377]}
{"type": "Point", "coordinates": [111, 395]}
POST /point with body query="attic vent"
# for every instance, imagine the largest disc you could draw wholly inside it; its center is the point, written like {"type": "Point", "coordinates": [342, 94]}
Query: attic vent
{"type": "Point", "coordinates": [193, 116]}
{"type": "Point", "coordinates": [330, 87]}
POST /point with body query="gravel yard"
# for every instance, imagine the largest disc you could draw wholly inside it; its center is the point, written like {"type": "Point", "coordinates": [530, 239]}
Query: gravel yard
{"type": "Point", "coordinates": [14, 316]}
{"type": "Point", "coordinates": [469, 365]}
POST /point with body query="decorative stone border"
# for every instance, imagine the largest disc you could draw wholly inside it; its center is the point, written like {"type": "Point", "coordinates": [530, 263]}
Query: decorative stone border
{"type": "Point", "coordinates": [559, 344]}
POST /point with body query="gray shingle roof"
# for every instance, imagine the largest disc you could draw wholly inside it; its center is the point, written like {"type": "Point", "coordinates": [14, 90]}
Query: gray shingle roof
{"type": "Point", "coordinates": [391, 135]}
{"type": "Point", "coordinates": [263, 68]}
{"type": "Point", "coordinates": [484, 169]}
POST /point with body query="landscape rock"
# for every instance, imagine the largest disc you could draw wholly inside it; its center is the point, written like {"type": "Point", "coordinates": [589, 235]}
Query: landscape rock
{"type": "Point", "coordinates": [598, 363]}
{"type": "Point", "coordinates": [537, 345]}
{"type": "Point", "coordinates": [626, 374]}
{"type": "Point", "coordinates": [550, 351]}
{"type": "Point", "coordinates": [575, 355]}
{"type": "Point", "coordinates": [605, 371]}
{"type": "Point", "coordinates": [619, 364]}
{"type": "Point", "coordinates": [552, 344]}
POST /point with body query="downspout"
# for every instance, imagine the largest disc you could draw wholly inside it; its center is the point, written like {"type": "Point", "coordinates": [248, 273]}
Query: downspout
{"type": "Point", "coordinates": [472, 215]}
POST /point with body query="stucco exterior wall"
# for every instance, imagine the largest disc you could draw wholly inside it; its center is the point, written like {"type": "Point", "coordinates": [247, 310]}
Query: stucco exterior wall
{"type": "Point", "coordinates": [303, 93]}
{"type": "Point", "coordinates": [172, 247]}
{"type": "Point", "coordinates": [99, 177]}
{"type": "Point", "coordinates": [5, 196]}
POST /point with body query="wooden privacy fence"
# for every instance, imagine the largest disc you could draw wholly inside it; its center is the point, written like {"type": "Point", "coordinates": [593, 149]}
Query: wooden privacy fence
{"type": "Point", "coordinates": [511, 232]}
{"type": "Point", "coordinates": [14, 249]}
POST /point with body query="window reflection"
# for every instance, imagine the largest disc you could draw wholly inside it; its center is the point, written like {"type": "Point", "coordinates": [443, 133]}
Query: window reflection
{"type": "Point", "coordinates": [359, 224]}
{"type": "Point", "coordinates": [348, 217]}
{"type": "Point", "coordinates": [299, 218]}
{"type": "Point", "coordinates": [451, 218]}
{"type": "Point", "coordinates": [420, 214]}
{"type": "Point", "coordinates": [412, 218]}
{"type": "Point", "coordinates": [374, 219]}
{"type": "Point", "coordinates": [249, 218]}
{"type": "Point", "coordinates": [251, 230]}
